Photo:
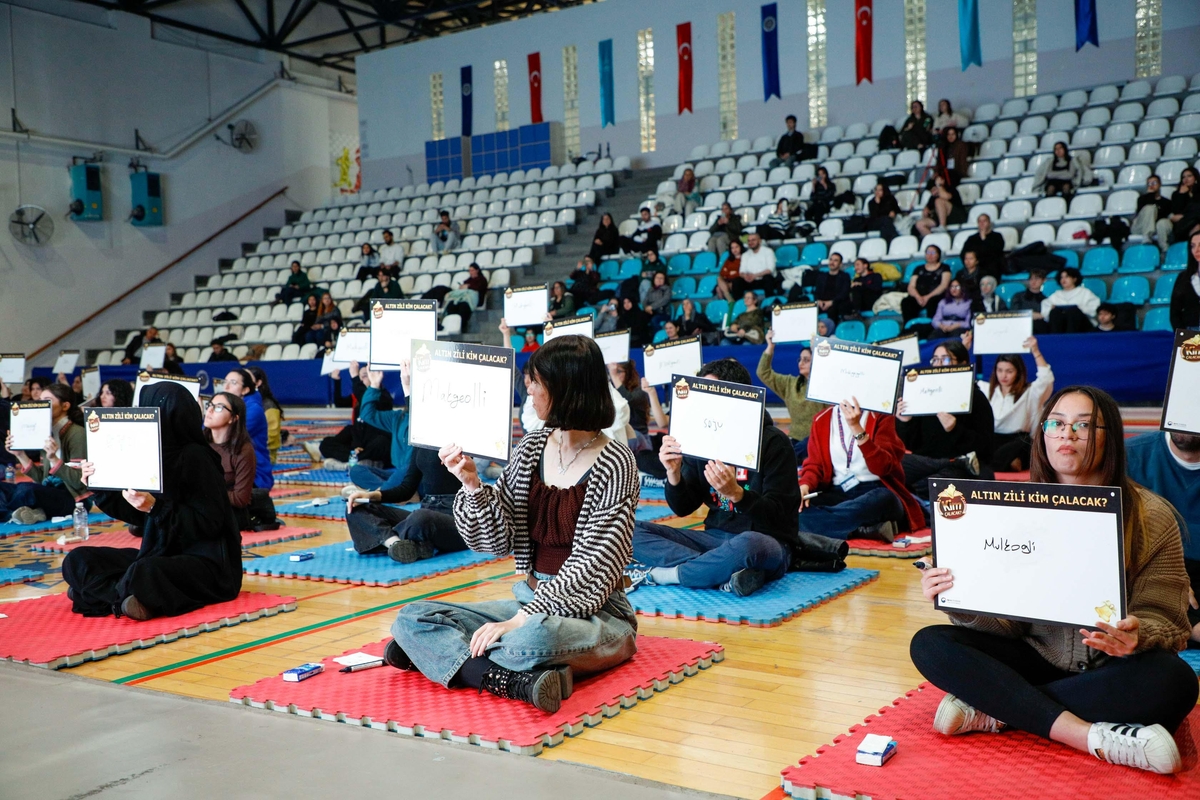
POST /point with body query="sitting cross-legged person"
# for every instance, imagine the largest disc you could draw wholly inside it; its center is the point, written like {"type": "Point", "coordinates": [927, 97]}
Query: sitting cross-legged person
{"type": "Point", "coordinates": [854, 462]}
{"type": "Point", "coordinates": [751, 523]}
{"type": "Point", "coordinates": [564, 507]}
{"type": "Point", "coordinates": [55, 486]}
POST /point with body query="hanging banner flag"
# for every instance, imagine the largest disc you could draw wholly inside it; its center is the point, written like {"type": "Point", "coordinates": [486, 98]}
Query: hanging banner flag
{"type": "Point", "coordinates": [535, 88]}
{"type": "Point", "coordinates": [465, 77]}
{"type": "Point", "coordinates": [608, 106]}
{"type": "Point", "coordinates": [683, 43]}
{"type": "Point", "coordinates": [968, 34]}
{"type": "Point", "coordinates": [770, 52]}
{"type": "Point", "coordinates": [864, 38]}
{"type": "Point", "coordinates": [1085, 24]}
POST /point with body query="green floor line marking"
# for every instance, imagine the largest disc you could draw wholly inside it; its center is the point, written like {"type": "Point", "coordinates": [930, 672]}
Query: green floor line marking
{"type": "Point", "coordinates": [306, 629]}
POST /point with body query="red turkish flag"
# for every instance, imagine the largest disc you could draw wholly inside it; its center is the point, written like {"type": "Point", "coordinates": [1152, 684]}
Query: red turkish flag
{"type": "Point", "coordinates": [864, 34]}
{"type": "Point", "coordinates": [683, 44]}
{"type": "Point", "coordinates": [535, 88]}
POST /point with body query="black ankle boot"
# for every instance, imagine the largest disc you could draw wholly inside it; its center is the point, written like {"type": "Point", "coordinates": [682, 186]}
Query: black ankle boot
{"type": "Point", "coordinates": [393, 656]}
{"type": "Point", "coordinates": [542, 690]}
{"type": "Point", "coordinates": [407, 551]}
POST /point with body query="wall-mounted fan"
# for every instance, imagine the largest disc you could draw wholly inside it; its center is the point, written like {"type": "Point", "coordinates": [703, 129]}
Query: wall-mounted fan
{"type": "Point", "coordinates": [31, 225]}
{"type": "Point", "coordinates": [243, 136]}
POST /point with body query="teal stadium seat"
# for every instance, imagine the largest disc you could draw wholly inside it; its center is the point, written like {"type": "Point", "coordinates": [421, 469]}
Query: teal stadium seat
{"type": "Point", "coordinates": [609, 270]}
{"type": "Point", "coordinates": [706, 287]}
{"type": "Point", "coordinates": [1009, 290]}
{"type": "Point", "coordinates": [1139, 258]}
{"type": "Point", "coordinates": [630, 267]}
{"type": "Point", "coordinates": [882, 329]}
{"type": "Point", "coordinates": [1176, 257]}
{"type": "Point", "coordinates": [1098, 287]}
{"type": "Point", "coordinates": [1131, 289]}
{"type": "Point", "coordinates": [1162, 289]}
{"type": "Point", "coordinates": [813, 254]}
{"type": "Point", "coordinates": [1099, 261]}
{"type": "Point", "coordinates": [703, 263]}
{"type": "Point", "coordinates": [679, 264]}
{"type": "Point", "coordinates": [1157, 319]}
{"type": "Point", "coordinates": [715, 311]}
{"type": "Point", "coordinates": [1071, 257]}
{"type": "Point", "coordinates": [851, 331]}
{"type": "Point", "coordinates": [660, 336]}
{"type": "Point", "coordinates": [787, 255]}
{"type": "Point", "coordinates": [683, 287]}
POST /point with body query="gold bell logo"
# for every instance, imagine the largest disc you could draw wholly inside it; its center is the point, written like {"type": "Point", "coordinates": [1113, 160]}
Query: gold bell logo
{"type": "Point", "coordinates": [1191, 349]}
{"type": "Point", "coordinates": [912, 376]}
{"type": "Point", "coordinates": [377, 310]}
{"type": "Point", "coordinates": [422, 360]}
{"type": "Point", "coordinates": [93, 422]}
{"type": "Point", "coordinates": [682, 390]}
{"type": "Point", "coordinates": [951, 503]}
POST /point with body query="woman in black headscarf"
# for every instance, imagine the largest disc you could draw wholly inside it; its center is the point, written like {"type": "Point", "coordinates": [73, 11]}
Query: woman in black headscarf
{"type": "Point", "coordinates": [191, 549]}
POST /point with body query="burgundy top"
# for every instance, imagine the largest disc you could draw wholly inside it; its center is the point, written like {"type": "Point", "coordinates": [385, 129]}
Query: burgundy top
{"type": "Point", "coordinates": [554, 513]}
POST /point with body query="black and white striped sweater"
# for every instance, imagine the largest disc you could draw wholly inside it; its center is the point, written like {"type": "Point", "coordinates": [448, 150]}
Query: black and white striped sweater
{"type": "Point", "coordinates": [495, 520]}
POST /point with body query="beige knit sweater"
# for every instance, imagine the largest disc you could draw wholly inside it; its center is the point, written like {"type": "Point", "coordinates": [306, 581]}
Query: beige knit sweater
{"type": "Point", "coordinates": [1158, 597]}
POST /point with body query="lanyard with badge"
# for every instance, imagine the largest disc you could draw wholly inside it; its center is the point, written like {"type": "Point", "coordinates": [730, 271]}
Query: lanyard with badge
{"type": "Point", "coordinates": [850, 480]}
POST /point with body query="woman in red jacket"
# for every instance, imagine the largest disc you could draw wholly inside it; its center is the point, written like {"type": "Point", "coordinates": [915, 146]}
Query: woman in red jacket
{"type": "Point", "coordinates": [854, 461]}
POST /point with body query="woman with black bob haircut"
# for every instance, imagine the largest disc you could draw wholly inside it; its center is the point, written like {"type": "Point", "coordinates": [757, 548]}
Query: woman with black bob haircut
{"type": "Point", "coordinates": [564, 508]}
{"type": "Point", "coordinates": [1117, 690]}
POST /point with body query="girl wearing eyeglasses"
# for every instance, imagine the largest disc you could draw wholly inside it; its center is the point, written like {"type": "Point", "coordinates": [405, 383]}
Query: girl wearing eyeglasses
{"type": "Point", "coordinates": [225, 429]}
{"type": "Point", "coordinates": [1117, 691]}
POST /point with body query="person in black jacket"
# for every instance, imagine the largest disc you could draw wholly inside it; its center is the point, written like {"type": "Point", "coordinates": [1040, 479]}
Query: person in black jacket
{"type": "Point", "coordinates": [219, 353]}
{"type": "Point", "coordinates": [790, 148]}
{"type": "Point", "coordinates": [133, 350]}
{"type": "Point", "coordinates": [585, 281]}
{"type": "Point", "coordinates": [820, 202]}
{"type": "Point", "coordinates": [988, 247]}
{"type": "Point", "coordinates": [865, 288]}
{"type": "Point", "coordinates": [1031, 299]}
{"type": "Point", "coordinates": [832, 290]}
{"type": "Point", "coordinates": [882, 210]}
{"type": "Point", "coordinates": [946, 445]}
{"type": "Point", "coordinates": [751, 524]}
{"type": "Point", "coordinates": [604, 240]}
{"type": "Point", "coordinates": [1185, 297]}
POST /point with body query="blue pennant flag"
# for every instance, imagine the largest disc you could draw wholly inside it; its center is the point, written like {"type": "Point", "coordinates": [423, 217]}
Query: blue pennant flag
{"type": "Point", "coordinates": [608, 106]}
{"type": "Point", "coordinates": [1085, 24]}
{"type": "Point", "coordinates": [968, 33]}
{"type": "Point", "coordinates": [467, 106]}
{"type": "Point", "coordinates": [770, 52]}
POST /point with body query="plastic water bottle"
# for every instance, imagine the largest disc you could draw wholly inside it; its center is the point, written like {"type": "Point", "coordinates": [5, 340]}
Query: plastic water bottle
{"type": "Point", "coordinates": [10, 475]}
{"type": "Point", "coordinates": [81, 522]}
{"type": "Point", "coordinates": [353, 462]}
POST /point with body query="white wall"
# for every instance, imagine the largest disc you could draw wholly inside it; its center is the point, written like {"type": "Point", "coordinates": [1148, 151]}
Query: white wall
{"type": "Point", "coordinates": [98, 82]}
{"type": "Point", "coordinates": [394, 84]}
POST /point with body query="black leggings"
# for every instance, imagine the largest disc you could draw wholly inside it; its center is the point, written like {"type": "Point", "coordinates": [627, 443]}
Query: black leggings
{"type": "Point", "coordinates": [1069, 319]}
{"type": "Point", "coordinates": [1008, 679]}
{"type": "Point", "coordinates": [1010, 447]}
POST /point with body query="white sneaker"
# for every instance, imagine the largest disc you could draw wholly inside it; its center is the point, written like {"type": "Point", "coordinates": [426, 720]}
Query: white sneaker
{"type": "Point", "coordinates": [333, 465]}
{"type": "Point", "coordinates": [314, 451]}
{"type": "Point", "coordinates": [1148, 747]}
{"type": "Point", "coordinates": [954, 717]}
{"type": "Point", "coordinates": [349, 489]}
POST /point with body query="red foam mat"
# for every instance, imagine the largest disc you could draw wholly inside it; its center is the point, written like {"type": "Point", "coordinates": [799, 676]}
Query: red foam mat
{"type": "Point", "coordinates": [1015, 477]}
{"type": "Point", "coordinates": [44, 632]}
{"type": "Point", "coordinates": [287, 491]}
{"type": "Point", "coordinates": [874, 547]}
{"type": "Point", "coordinates": [1003, 766]}
{"type": "Point", "coordinates": [410, 704]}
{"type": "Point", "coordinates": [123, 538]}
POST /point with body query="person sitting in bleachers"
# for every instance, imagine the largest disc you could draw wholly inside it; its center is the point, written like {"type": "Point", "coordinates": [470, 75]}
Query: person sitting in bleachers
{"type": "Point", "coordinates": [633, 318]}
{"type": "Point", "coordinates": [54, 485]}
{"type": "Point", "coordinates": [1016, 402]}
{"type": "Point", "coordinates": [219, 353]}
{"type": "Point", "coordinates": [831, 290]}
{"type": "Point", "coordinates": [1061, 682]}
{"type": "Point", "coordinates": [1031, 299]}
{"type": "Point", "coordinates": [605, 241]}
{"type": "Point", "coordinates": [750, 526]}
{"type": "Point", "coordinates": [731, 271]}
{"type": "Point", "coordinates": [756, 272]}
{"type": "Point", "coordinates": [866, 287]}
{"type": "Point", "coordinates": [945, 207]}
{"type": "Point", "coordinates": [531, 343]}
{"type": "Point", "coordinates": [241, 383]}
{"type": "Point", "coordinates": [988, 247]}
{"type": "Point", "coordinates": [585, 282]}
{"type": "Point", "coordinates": [1071, 309]}
{"type": "Point", "coordinates": [638, 286]}
{"type": "Point", "coordinates": [778, 225]}
{"type": "Point", "coordinates": [793, 390]}
{"type": "Point", "coordinates": [645, 237]}
{"type": "Point", "coordinates": [927, 284]}
{"type": "Point", "coordinates": [882, 210]}
{"type": "Point", "coordinates": [1062, 173]}
{"type": "Point", "coordinates": [562, 302]}
{"type": "Point", "coordinates": [956, 155]}
{"type": "Point", "coordinates": [916, 132]}
{"type": "Point", "coordinates": [658, 300]}
{"type": "Point", "coordinates": [727, 228]}
{"type": "Point", "coordinates": [325, 329]}
{"type": "Point", "coordinates": [467, 297]}
{"type": "Point", "coordinates": [133, 350]}
{"type": "Point", "coordinates": [947, 445]}
{"type": "Point", "coordinates": [853, 460]}
{"type": "Point", "coordinates": [297, 285]}
{"type": "Point", "coordinates": [368, 263]}
{"type": "Point", "coordinates": [1106, 318]}
{"type": "Point", "coordinates": [391, 254]}
{"type": "Point", "coordinates": [308, 318]}
{"type": "Point", "coordinates": [172, 362]}
{"type": "Point", "coordinates": [384, 289]}
{"type": "Point", "coordinates": [1185, 206]}
{"type": "Point", "coordinates": [687, 193]}
{"type": "Point", "coordinates": [693, 322]}
{"type": "Point", "coordinates": [791, 147]}
{"type": "Point", "coordinates": [1185, 295]}
{"type": "Point", "coordinates": [749, 326]}
{"type": "Point", "coordinates": [947, 117]}
{"type": "Point", "coordinates": [820, 200]}
{"type": "Point", "coordinates": [954, 310]}
{"type": "Point", "coordinates": [970, 269]}
{"type": "Point", "coordinates": [1153, 219]}
{"type": "Point", "coordinates": [990, 302]}
{"type": "Point", "coordinates": [446, 235]}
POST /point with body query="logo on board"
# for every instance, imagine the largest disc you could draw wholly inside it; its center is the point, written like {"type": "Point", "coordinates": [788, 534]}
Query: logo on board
{"type": "Point", "coordinates": [951, 503]}
{"type": "Point", "coordinates": [682, 390]}
{"type": "Point", "coordinates": [1191, 349]}
{"type": "Point", "coordinates": [93, 422]}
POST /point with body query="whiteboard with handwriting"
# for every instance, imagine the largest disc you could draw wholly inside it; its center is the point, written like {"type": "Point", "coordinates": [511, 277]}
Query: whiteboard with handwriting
{"type": "Point", "coordinates": [718, 420]}
{"type": "Point", "coordinates": [153, 356]}
{"type": "Point", "coordinates": [12, 368]}
{"type": "Point", "coordinates": [353, 344]}
{"type": "Point", "coordinates": [125, 447]}
{"type": "Point", "coordinates": [572, 326]}
{"type": "Point", "coordinates": [678, 356]}
{"type": "Point", "coordinates": [614, 346]}
{"type": "Point", "coordinates": [66, 361]}
{"type": "Point", "coordinates": [30, 424]}
{"type": "Point", "coordinates": [394, 325]}
{"type": "Point", "coordinates": [844, 370]}
{"type": "Point", "coordinates": [935, 390]}
{"type": "Point", "coordinates": [525, 305]}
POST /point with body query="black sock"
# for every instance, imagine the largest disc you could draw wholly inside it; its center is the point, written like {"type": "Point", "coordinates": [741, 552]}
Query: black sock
{"type": "Point", "coordinates": [470, 674]}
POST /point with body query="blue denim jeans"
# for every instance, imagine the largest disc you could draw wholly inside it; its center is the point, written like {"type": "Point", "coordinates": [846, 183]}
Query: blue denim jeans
{"type": "Point", "coordinates": [436, 635]}
{"type": "Point", "coordinates": [843, 513]}
{"type": "Point", "coordinates": [54, 500]}
{"type": "Point", "coordinates": [707, 558]}
{"type": "Point", "coordinates": [372, 478]}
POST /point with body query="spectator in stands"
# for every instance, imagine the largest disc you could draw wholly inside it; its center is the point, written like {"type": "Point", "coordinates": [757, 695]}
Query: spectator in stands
{"type": "Point", "coordinates": [927, 284]}
{"type": "Point", "coordinates": [54, 486]}
{"type": "Point", "coordinates": [1062, 173]}
{"type": "Point", "coordinates": [172, 362]}
{"type": "Point", "coordinates": [633, 318]}
{"type": "Point", "coordinates": [793, 390]}
{"type": "Point", "coordinates": [790, 146]}
{"type": "Point", "coordinates": [731, 271]}
{"type": "Point", "coordinates": [307, 319]}
{"type": "Point", "coordinates": [947, 445]}
{"type": "Point", "coordinates": [645, 238]}
{"type": "Point", "coordinates": [917, 131]}
{"type": "Point", "coordinates": [391, 255]}
{"type": "Point", "coordinates": [727, 228]}
{"type": "Point", "coordinates": [1031, 299]}
{"type": "Point", "coordinates": [687, 193]}
{"type": "Point", "coordinates": [778, 225]}
{"type": "Point", "coordinates": [750, 527]}
{"type": "Point", "coordinates": [671, 330]}
{"type": "Point", "coordinates": [384, 289]}
{"type": "Point", "coordinates": [1016, 403]}
{"type": "Point", "coordinates": [225, 429]}
{"type": "Point", "coordinates": [945, 207]}
{"type": "Point", "coordinates": [658, 301]}
{"type": "Point", "coordinates": [831, 289]}
{"type": "Point", "coordinates": [562, 302]}
{"type": "Point", "coordinates": [638, 286]}
{"type": "Point", "coordinates": [133, 350]}
{"type": "Point", "coordinates": [605, 241]}
{"type": "Point", "coordinates": [329, 321]}
{"type": "Point", "coordinates": [585, 281]}
{"type": "Point", "coordinates": [1106, 318]}
{"type": "Point", "coordinates": [820, 200]}
{"type": "Point", "coordinates": [1071, 309]}
{"type": "Point", "coordinates": [955, 309]}
{"type": "Point", "coordinates": [991, 302]}
{"type": "Point", "coordinates": [1185, 205]}
{"type": "Point", "coordinates": [116, 393]}
{"type": "Point", "coordinates": [191, 552]}
{"type": "Point", "coordinates": [1185, 296]}
{"type": "Point", "coordinates": [970, 269]}
{"type": "Point", "coordinates": [271, 408]}
{"type": "Point", "coordinates": [445, 236]}
{"type": "Point", "coordinates": [692, 321]}
{"type": "Point", "coordinates": [882, 210]}
{"type": "Point", "coordinates": [219, 353]}
{"type": "Point", "coordinates": [623, 375]}
{"type": "Point", "coordinates": [1168, 464]}
{"type": "Point", "coordinates": [866, 287]}
{"type": "Point", "coordinates": [468, 295]}
{"type": "Point", "coordinates": [606, 316]}
{"type": "Point", "coordinates": [825, 326]}
{"type": "Point", "coordinates": [241, 383]}
{"type": "Point", "coordinates": [297, 285]}
{"type": "Point", "coordinates": [368, 263]}
{"type": "Point", "coordinates": [750, 325]}
{"type": "Point", "coordinates": [853, 460]}
{"type": "Point", "coordinates": [956, 156]}
{"type": "Point", "coordinates": [531, 344]}
{"type": "Point", "coordinates": [988, 247]}
{"type": "Point", "coordinates": [757, 270]}
{"type": "Point", "coordinates": [1153, 220]}
{"type": "Point", "coordinates": [1057, 681]}
{"type": "Point", "coordinates": [948, 118]}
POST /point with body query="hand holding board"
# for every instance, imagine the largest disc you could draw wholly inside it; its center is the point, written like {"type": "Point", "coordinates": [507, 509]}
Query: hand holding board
{"type": "Point", "coordinates": [1181, 411]}
{"type": "Point", "coordinates": [718, 420]}
{"type": "Point", "coordinates": [66, 361]}
{"type": "Point", "coordinates": [675, 357]}
{"type": "Point", "coordinates": [525, 305]}
{"type": "Point", "coordinates": [794, 322]}
{"type": "Point", "coordinates": [936, 390]}
{"type": "Point", "coordinates": [125, 447]}
{"type": "Point", "coordinates": [842, 370]}
{"type": "Point", "coordinates": [91, 382]}
{"type": "Point", "coordinates": [30, 424]}
{"type": "Point", "coordinates": [394, 326]}
{"type": "Point", "coordinates": [1003, 332]}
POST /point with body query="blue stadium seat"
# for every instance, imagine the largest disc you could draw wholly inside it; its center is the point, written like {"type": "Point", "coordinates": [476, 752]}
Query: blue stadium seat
{"type": "Point", "coordinates": [703, 263]}
{"type": "Point", "coordinates": [851, 330]}
{"type": "Point", "coordinates": [683, 287]}
{"type": "Point", "coordinates": [715, 311]}
{"type": "Point", "coordinates": [517, 342]}
{"type": "Point", "coordinates": [882, 329]}
{"type": "Point", "coordinates": [1099, 261]}
{"type": "Point", "coordinates": [706, 286]}
{"type": "Point", "coordinates": [1157, 319]}
{"type": "Point", "coordinates": [607, 286]}
{"type": "Point", "coordinates": [1071, 256]}
{"type": "Point", "coordinates": [1131, 289]}
{"type": "Point", "coordinates": [954, 263]}
{"type": "Point", "coordinates": [912, 267]}
{"type": "Point", "coordinates": [814, 254]}
{"type": "Point", "coordinates": [1098, 287]}
{"type": "Point", "coordinates": [1163, 287]}
{"type": "Point", "coordinates": [679, 264]}
{"type": "Point", "coordinates": [609, 270]}
{"type": "Point", "coordinates": [660, 336]}
{"type": "Point", "coordinates": [1176, 256]}
{"type": "Point", "coordinates": [1139, 258]}
{"type": "Point", "coordinates": [630, 267]}
{"type": "Point", "coordinates": [1008, 290]}
{"type": "Point", "coordinates": [787, 255]}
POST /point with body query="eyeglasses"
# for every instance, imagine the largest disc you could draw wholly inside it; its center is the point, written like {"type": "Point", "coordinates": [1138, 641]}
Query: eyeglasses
{"type": "Point", "coordinates": [939, 361]}
{"type": "Point", "coordinates": [1057, 429]}
{"type": "Point", "coordinates": [221, 406]}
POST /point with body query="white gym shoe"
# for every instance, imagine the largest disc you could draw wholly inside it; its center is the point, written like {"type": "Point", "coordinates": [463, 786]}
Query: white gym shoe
{"type": "Point", "coordinates": [333, 465]}
{"type": "Point", "coordinates": [314, 451]}
{"type": "Point", "coordinates": [954, 717]}
{"type": "Point", "coordinates": [1148, 747]}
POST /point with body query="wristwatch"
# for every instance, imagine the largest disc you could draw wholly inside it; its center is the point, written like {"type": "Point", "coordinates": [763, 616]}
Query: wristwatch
{"type": "Point", "coordinates": [859, 437]}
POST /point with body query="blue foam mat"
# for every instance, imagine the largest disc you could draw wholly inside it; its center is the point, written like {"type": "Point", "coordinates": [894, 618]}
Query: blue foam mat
{"type": "Point", "coordinates": [653, 493]}
{"type": "Point", "coordinates": [648, 513]}
{"type": "Point", "coordinates": [11, 529]}
{"type": "Point", "coordinates": [1192, 657]}
{"type": "Point", "coordinates": [336, 509]}
{"type": "Point", "coordinates": [11, 575]}
{"type": "Point", "coordinates": [318, 477]}
{"type": "Point", "coordinates": [777, 601]}
{"type": "Point", "coordinates": [339, 563]}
